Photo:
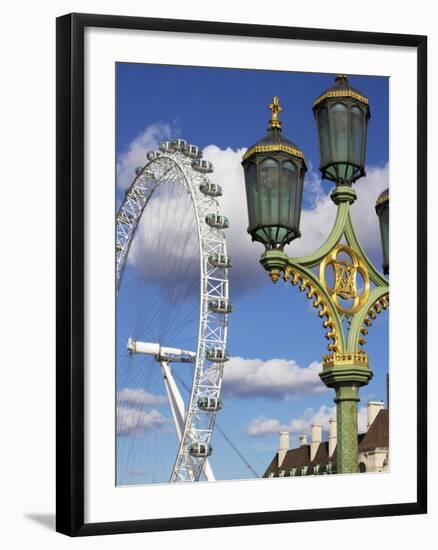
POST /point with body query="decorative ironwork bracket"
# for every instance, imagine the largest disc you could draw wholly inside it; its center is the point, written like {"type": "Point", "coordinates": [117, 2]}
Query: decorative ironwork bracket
{"type": "Point", "coordinates": [364, 303]}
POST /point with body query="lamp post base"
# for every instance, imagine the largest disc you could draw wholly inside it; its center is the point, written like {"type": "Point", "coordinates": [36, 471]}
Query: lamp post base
{"type": "Point", "coordinates": [346, 375]}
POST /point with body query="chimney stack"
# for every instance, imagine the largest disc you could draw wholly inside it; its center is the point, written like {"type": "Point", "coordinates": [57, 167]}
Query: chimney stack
{"type": "Point", "coordinates": [316, 439]}
{"type": "Point", "coordinates": [332, 436]}
{"type": "Point", "coordinates": [374, 407]}
{"type": "Point", "coordinates": [303, 440]}
{"type": "Point", "coordinates": [283, 447]}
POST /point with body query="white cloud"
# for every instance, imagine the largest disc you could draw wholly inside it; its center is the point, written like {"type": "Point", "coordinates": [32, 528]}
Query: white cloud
{"type": "Point", "coordinates": [300, 426]}
{"type": "Point", "coordinates": [244, 253]}
{"type": "Point", "coordinates": [138, 397]}
{"type": "Point", "coordinates": [316, 220]}
{"type": "Point", "coordinates": [275, 378]}
{"type": "Point", "coordinates": [363, 210]}
{"type": "Point", "coordinates": [165, 249]}
{"type": "Point", "coordinates": [132, 418]}
{"type": "Point", "coordinates": [133, 421]}
{"type": "Point", "coordinates": [262, 425]}
{"type": "Point", "coordinates": [135, 155]}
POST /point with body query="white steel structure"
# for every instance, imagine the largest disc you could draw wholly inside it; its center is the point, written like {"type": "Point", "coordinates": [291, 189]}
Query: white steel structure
{"type": "Point", "coordinates": [179, 163]}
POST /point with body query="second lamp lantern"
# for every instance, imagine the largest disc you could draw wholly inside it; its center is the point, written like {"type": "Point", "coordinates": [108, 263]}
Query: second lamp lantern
{"type": "Point", "coordinates": [342, 115]}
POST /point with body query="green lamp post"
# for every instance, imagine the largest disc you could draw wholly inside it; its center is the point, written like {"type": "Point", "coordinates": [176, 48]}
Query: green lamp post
{"type": "Point", "coordinates": [329, 276]}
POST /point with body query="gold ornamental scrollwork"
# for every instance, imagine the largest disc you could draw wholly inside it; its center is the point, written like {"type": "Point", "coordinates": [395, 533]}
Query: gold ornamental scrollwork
{"type": "Point", "coordinates": [345, 284]}
{"type": "Point", "coordinates": [273, 148]}
{"type": "Point", "coordinates": [318, 302]}
{"type": "Point", "coordinates": [380, 304]}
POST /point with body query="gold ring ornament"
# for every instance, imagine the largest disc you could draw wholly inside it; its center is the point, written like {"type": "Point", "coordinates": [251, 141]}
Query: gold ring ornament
{"type": "Point", "coordinates": [345, 279]}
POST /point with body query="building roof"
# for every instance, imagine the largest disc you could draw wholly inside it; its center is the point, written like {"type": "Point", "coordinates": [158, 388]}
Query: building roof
{"type": "Point", "coordinates": [300, 457]}
{"type": "Point", "coordinates": [376, 436]}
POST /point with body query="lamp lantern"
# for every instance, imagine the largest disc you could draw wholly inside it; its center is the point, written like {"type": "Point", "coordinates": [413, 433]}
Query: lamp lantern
{"type": "Point", "coordinates": [342, 115]}
{"type": "Point", "coordinates": [274, 171]}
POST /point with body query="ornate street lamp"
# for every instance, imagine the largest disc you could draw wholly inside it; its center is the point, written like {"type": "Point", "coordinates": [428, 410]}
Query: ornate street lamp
{"type": "Point", "coordinates": [328, 276]}
{"type": "Point", "coordinates": [274, 172]}
{"type": "Point", "coordinates": [382, 211]}
{"type": "Point", "coordinates": [342, 115]}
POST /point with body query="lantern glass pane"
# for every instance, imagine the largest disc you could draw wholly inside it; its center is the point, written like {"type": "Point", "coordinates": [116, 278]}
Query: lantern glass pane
{"type": "Point", "coordinates": [272, 235]}
{"type": "Point", "coordinates": [356, 135]}
{"type": "Point", "coordinates": [340, 132]}
{"type": "Point", "coordinates": [281, 234]}
{"type": "Point", "coordinates": [324, 136]}
{"type": "Point", "coordinates": [384, 232]}
{"type": "Point", "coordinates": [345, 171]}
{"type": "Point", "coordinates": [299, 199]}
{"type": "Point", "coordinates": [332, 171]}
{"type": "Point", "coordinates": [251, 194]}
{"type": "Point", "coordinates": [269, 189]}
{"type": "Point", "coordinates": [288, 189]}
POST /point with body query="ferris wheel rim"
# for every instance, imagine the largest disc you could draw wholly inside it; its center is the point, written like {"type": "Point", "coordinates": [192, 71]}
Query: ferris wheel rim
{"type": "Point", "coordinates": [186, 468]}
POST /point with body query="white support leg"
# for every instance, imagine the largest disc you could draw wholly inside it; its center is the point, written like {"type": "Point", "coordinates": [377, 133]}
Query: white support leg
{"type": "Point", "coordinates": [175, 400]}
{"type": "Point", "coordinates": [208, 472]}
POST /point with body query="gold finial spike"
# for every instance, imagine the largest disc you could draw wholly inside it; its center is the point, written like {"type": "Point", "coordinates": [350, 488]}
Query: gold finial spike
{"type": "Point", "coordinates": [274, 274]}
{"type": "Point", "coordinates": [341, 78]}
{"type": "Point", "coordinates": [275, 108]}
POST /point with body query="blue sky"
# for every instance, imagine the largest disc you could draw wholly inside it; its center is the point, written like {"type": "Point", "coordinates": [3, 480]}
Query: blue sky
{"type": "Point", "coordinates": [273, 330]}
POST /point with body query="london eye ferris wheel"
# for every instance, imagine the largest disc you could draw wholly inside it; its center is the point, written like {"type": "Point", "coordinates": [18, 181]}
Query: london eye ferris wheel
{"type": "Point", "coordinates": [172, 315]}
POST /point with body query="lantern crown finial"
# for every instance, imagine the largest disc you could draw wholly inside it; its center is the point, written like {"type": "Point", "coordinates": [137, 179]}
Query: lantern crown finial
{"type": "Point", "coordinates": [342, 79]}
{"type": "Point", "coordinates": [383, 197]}
{"type": "Point", "coordinates": [341, 88]}
{"type": "Point", "coordinates": [275, 108]}
{"type": "Point", "coordinates": [274, 141]}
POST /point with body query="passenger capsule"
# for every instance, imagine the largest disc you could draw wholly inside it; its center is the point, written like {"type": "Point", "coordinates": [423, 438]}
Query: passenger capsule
{"type": "Point", "coordinates": [217, 221]}
{"type": "Point", "coordinates": [167, 147]}
{"type": "Point", "coordinates": [220, 305]}
{"type": "Point", "coordinates": [219, 260]}
{"type": "Point", "coordinates": [200, 450]}
{"type": "Point", "coordinates": [138, 170]}
{"type": "Point", "coordinates": [192, 151]}
{"type": "Point", "coordinates": [209, 404]}
{"type": "Point", "coordinates": [179, 144]}
{"type": "Point", "coordinates": [151, 155]}
{"type": "Point", "coordinates": [211, 189]}
{"type": "Point", "coordinates": [204, 166]}
{"type": "Point", "coordinates": [218, 355]}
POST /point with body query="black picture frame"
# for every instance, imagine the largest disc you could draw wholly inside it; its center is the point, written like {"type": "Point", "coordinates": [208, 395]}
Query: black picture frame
{"type": "Point", "coordinates": [70, 273]}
